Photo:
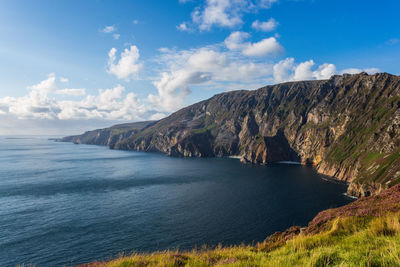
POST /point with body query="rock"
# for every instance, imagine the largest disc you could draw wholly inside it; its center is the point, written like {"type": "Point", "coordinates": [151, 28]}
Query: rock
{"type": "Point", "coordinates": [364, 190]}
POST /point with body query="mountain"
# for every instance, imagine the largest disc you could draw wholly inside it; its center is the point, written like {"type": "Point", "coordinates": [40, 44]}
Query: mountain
{"type": "Point", "coordinates": [347, 127]}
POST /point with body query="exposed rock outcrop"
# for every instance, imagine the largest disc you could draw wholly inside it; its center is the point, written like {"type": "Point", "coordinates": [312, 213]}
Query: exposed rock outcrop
{"type": "Point", "coordinates": [364, 190]}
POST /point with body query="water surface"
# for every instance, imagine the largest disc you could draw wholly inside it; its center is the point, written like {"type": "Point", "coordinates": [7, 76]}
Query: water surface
{"type": "Point", "coordinates": [62, 203]}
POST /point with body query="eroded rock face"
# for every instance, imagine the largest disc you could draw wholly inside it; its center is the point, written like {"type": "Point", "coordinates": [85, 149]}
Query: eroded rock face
{"type": "Point", "coordinates": [364, 190]}
{"type": "Point", "coordinates": [347, 127]}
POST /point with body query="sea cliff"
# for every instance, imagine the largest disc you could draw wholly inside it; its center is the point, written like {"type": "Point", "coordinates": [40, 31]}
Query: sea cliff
{"type": "Point", "coordinates": [347, 127]}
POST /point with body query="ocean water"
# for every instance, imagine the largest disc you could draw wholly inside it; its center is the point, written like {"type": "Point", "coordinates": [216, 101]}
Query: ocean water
{"type": "Point", "coordinates": [65, 204]}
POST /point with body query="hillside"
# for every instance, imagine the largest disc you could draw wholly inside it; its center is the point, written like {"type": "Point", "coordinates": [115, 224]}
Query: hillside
{"type": "Point", "coordinates": [352, 235]}
{"type": "Point", "coordinates": [347, 127]}
{"type": "Point", "coordinates": [108, 136]}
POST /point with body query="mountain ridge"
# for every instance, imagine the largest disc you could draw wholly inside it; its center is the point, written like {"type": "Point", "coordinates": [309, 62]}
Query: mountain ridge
{"type": "Point", "coordinates": [347, 127]}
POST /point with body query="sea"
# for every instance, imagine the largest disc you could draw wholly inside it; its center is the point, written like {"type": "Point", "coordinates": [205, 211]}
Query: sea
{"type": "Point", "coordinates": [67, 204]}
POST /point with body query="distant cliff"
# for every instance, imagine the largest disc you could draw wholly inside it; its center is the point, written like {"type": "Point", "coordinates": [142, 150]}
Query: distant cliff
{"type": "Point", "coordinates": [347, 127]}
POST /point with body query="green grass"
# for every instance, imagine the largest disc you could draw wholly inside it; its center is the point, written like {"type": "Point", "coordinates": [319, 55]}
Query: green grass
{"type": "Point", "coordinates": [209, 128]}
{"type": "Point", "coordinates": [351, 241]}
{"type": "Point", "coordinates": [372, 156]}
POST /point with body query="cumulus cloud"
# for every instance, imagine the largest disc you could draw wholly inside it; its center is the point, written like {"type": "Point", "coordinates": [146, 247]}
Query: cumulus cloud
{"type": "Point", "coordinates": [266, 26]}
{"type": "Point", "coordinates": [127, 66]}
{"type": "Point", "coordinates": [283, 70]}
{"type": "Point", "coordinates": [109, 104]}
{"type": "Point", "coordinates": [116, 36]}
{"type": "Point", "coordinates": [265, 47]}
{"type": "Point", "coordinates": [287, 70]}
{"type": "Point", "coordinates": [226, 13]}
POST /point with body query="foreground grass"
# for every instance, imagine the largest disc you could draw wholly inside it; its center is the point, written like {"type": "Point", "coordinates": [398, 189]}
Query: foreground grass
{"type": "Point", "coordinates": [349, 241]}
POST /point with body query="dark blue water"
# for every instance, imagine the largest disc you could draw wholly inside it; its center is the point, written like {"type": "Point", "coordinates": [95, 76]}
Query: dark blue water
{"type": "Point", "coordinates": [62, 203]}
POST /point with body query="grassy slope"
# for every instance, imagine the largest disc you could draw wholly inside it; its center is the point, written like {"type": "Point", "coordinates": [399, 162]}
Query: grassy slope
{"type": "Point", "coordinates": [349, 242]}
{"type": "Point", "coordinates": [353, 235]}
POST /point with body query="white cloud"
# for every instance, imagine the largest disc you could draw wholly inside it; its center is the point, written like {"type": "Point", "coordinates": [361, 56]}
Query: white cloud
{"type": "Point", "coordinates": [283, 70]}
{"type": "Point", "coordinates": [235, 41]}
{"type": "Point", "coordinates": [217, 12]}
{"type": "Point", "coordinates": [183, 27]}
{"type": "Point", "coordinates": [128, 66]}
{"type": "Point", "coordinates": [64, 80]}
{"type": "Point", "coordinates": [112, 104]}
{"type": "Point", "coordinates": [265, 47]}
{"type": "Point", "coordinates": [266, 26]}
{"type": "Point", "coordinates": [173, 88]}
{"type": "Point", "coordinates": [109, 29]}
{"type": "Point", "coordinates": [207, 66]}
{"type": "Point", "coordinates": [287, 70]}
{"type": "Point", "coordinates": [109, 104]}
{"type": "Point", "coordinates": [157, 116]}
{"type": "Point", "coordinates": [135, 22]}
{"type": "Point", "coordinates": [47, 85]}
{"type": "Point", "coordinates": [324, 71]}
{"type": "Point", "coordinates": [303, 71]}
{"type": "Point", "coordinates": [226, 13]}
{"type": "Point", "coordinates": [71, 91]}
{"type": "Point", "coordinates": [266, 3]}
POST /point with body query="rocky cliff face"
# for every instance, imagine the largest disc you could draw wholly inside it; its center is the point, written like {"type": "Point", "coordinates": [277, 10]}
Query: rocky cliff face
{"type": "Point", "coordinates": [108, 136]}
{"type": "Point", "coordinates": [347, 127]}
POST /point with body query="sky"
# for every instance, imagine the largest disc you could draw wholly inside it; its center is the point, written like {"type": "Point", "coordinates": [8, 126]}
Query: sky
{"type": "Point", "coordinates": [68, 66]}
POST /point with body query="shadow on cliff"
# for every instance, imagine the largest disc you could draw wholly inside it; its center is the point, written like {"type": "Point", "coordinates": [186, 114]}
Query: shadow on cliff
{"type": "Point", "coordinates": [279, 149]}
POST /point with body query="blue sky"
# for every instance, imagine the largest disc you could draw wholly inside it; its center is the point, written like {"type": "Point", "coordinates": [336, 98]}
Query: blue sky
{"type": "Point", "coordinates": [62, 71]}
